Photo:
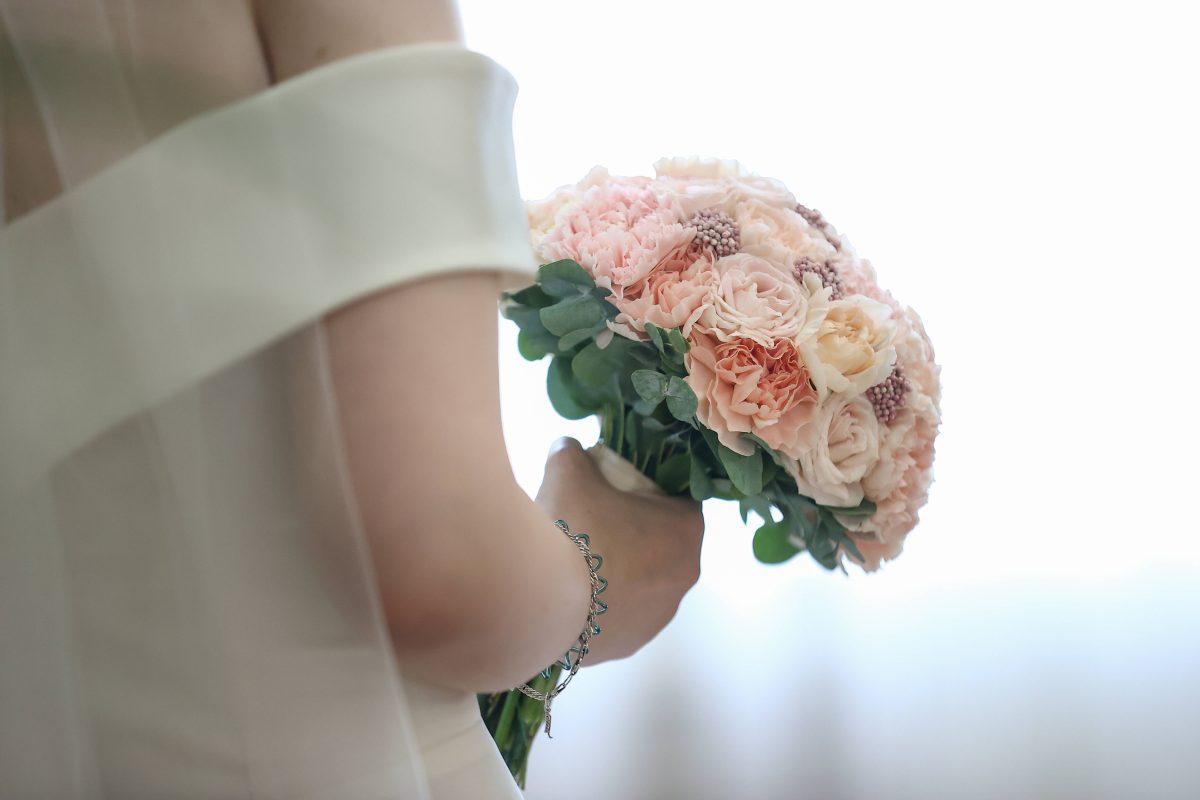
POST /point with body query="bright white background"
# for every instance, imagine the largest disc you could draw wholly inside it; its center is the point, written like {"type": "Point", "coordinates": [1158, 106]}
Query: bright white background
{"type": "Point", "coordinates": [1026, 175]}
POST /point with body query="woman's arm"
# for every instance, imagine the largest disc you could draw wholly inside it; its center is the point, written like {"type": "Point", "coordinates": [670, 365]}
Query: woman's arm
{"type": "Point", "coordinates": [480, 589]}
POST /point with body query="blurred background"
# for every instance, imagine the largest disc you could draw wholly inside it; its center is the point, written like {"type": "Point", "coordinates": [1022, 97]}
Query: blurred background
{"type": "Point", "coordinates": [1026, 176]}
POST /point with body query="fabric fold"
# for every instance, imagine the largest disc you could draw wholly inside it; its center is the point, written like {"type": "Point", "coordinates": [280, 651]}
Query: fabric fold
{"type": "Point", "coordinates": [238, 227]}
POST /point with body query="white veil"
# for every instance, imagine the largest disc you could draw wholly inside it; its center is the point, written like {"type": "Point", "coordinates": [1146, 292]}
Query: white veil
{"type": "Point", "coordinates": [187, 606]}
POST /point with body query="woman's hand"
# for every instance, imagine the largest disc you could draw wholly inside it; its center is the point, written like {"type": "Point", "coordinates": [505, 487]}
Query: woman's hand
{"type": "Point", "coordinates": [650, 545]}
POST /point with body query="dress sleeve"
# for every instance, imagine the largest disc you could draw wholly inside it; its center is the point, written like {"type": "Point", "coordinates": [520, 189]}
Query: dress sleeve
{"type": "Point", "coordinates": [244, 224]}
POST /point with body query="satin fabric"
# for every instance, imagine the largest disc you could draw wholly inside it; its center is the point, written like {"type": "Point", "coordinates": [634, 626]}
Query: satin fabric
{"type": "Point", "coordinates": [187, 606]}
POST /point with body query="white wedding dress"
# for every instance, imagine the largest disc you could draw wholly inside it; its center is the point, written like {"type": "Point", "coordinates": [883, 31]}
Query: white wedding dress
{"type": "Point", "coordinates": [187, 607]}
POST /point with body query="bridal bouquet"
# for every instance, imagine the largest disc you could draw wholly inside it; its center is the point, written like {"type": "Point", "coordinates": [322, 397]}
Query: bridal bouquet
{"type": "Point", "coordinates": [733, 345]}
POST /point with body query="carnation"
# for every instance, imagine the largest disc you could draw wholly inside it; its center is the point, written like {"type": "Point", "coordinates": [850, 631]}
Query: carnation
{"type": "Point", "coordinates": [617, 231]}
{"type": "Point", "coordinates": [743, 386]}
{"type": "Point", "coordinates": [673, 295]}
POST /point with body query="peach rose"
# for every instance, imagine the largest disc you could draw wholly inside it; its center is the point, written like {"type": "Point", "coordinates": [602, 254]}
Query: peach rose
{"type": "Point", "coordinates": [745, 387]}
{"type": "Point", "coordinates": [842, 447]}
{"type": "Point", "coordinates": [673, 295]}
{"type": "Point", "coordinates": [852, 351]}
{"type": "Point", "coordinates": [754, 298]}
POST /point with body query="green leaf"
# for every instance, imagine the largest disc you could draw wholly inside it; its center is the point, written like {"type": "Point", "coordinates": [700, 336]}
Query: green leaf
{"type": "Point", "coordinates": [592, 366]}
{"type": "Point", "coordinates": [573, 338]}
{"type": "Point", "coordinates": [527, 318]}
{"type": "Point", "coordinates": [744, 471]}
{"type": "Point", "coordinates": [572, 314]}
{"type": "Point", "coordinates": [650, 385]}
{"type": "Point", "coordinates": [681, 400]}
{"type": "Point", "coordinates": [699, 482]}
{"type": "Point", "coordinates": [778, 459]}
{"type": "Point", "coordinates": [596, 367]}
{"type": "Point", "coordinates": [559, 379]}
{"type": "Point", "coordinates": [824, 550]}
{"type": "Point", "coordinates": [645, 408]}
{"type": "Point", "coordinates": [677, 341]}
{"type": "Point", "coordinates": [656, 337]}
{"type": "Point", "coordinates": [673, 473]}
{"type": "Point", "coordinates": [534, 346]}
{"type": "Point", "coordinates": [864, 509]}
{"type": "Point", "coordinates": [804, 517]}
{"type": "Point", "coordinates": [564, 278]}
{"type": "Point", "coordinates": [771, 544]}
{"type": "Point", "coordinates": [529, 296]}
{"type": "Point", "coordinates": [757, 504]}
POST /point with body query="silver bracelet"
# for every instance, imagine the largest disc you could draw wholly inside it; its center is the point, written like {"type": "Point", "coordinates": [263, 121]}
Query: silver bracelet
{"type": "Point", "coordinates": [590, 628]}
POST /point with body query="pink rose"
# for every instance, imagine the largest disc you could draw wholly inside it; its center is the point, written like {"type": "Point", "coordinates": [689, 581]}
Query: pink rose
{"type": "Point", "coordinates": [756, 299]}
{"type": "Point", "coordinates": [673, 295]}
{"type": "Point", "coordinates": [745, 387]}
{"type": "Point", "coordinates": [617, 230]}
{"type": "Point", "coordinates": [842, 447]}
{"type": "Point", "coordinates": [899, 481]}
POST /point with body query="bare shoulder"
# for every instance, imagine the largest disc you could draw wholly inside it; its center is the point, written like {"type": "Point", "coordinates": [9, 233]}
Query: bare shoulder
{"type": "Point", "coordinates": [303, 34]}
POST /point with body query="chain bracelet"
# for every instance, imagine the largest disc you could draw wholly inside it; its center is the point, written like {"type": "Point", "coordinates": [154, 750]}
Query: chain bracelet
{"type": "Point", "coordinates": [595, 608]}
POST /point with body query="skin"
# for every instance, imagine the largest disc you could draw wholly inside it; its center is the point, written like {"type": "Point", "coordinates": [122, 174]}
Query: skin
{"type": "Point", "coordinates": [479, 588]}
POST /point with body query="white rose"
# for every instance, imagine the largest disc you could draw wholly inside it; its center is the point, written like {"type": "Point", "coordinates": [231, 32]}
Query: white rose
{"type": "Point", "coordinates": [843, 447]}
{"type": "Point", "coordinates": [852, 350]}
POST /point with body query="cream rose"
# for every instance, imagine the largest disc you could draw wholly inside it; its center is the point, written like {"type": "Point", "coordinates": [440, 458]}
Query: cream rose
{"type": "Point", "coordinates": [764, 225]}
{"type": "Point", "coordinates": [753, 298]}
{"type": "Point", "coordinates": [726, 174]}
{"type": "Point", "coordinates": [852, 350]}
{"type": "Point", "coordinates": [843, 446]}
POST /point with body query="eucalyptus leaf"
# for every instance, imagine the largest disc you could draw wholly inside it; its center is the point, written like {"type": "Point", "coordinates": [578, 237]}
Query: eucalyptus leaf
{"type": "Point", "coordinates": [744, 471]}
{"type": "Point", "coordinates": [771, 543]}
{"type": "Point", "coordinates": [674, 473]}
{"type": "Point", "coordinates": [592, 366]}
{"type": "Point", "coordinates": [533, 347]}
{"type": "Point", "coordinates": [650, 385]}
{"type": "Point", "coordinates": [564, 278]}
{"type": "Point", "coordinates": [756, 504]}
{"type": "Point", "coordinates": [656, 337]}
{"type": "Point", "coordinates": [699, 483]}
{"type": "Point", "coordinates": [574, 338]}
{"type": "Point", "coordinates": [676, 338]}
{"type": "Point", "coordinates": [864, 509]}
{"type": "Point", "coordinates": [527, 318]}
{"type": "Point", "coordinates": [646, 408]}
{"type": "Point", "coordinates": [559, 380]}
{"type": "Point", "coordinates": [529, 296]}
{"type": "Point", "coordinates": [572, 314]}
{"type": "Point", "coordinates": [778, 459]}
{"type": "Point", "coordinates": [681, 400]}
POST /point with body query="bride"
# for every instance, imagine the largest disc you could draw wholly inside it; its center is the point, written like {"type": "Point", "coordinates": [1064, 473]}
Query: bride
{"type": "Point", "coordinates": [259, 535]}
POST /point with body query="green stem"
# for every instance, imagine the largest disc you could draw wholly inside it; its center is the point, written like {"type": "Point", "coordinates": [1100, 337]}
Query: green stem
{"type": "Point", "coordinates": [503, 733]}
